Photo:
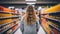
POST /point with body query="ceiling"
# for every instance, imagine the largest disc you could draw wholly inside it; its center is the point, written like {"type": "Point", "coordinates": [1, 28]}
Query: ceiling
{"type": "Point", "coordinates": [24, 2]}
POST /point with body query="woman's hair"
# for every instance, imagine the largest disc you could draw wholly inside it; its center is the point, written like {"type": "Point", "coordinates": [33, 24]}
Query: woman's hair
{"type": "Point", "coordinates": [30, 17]}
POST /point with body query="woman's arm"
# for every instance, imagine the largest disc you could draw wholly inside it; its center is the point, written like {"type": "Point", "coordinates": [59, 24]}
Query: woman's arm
{"type": "Point", "coordinates": [22, 26]}
{"type": "Point", "coordinates": [37, 26]}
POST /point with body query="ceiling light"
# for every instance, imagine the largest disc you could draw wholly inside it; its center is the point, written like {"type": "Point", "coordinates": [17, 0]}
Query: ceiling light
{"type": "Point", "coordinates": [11, 7]}
{"type": "Point", "coordinates": [30, 0]}
{"type": "Point", "coordinates": [30, 3]}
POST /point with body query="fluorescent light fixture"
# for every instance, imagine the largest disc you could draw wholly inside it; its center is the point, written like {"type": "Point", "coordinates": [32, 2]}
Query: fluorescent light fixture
{"type": "Point", "coordinates": [11, 7]}
{"type": "Point", "coordinates": [30, 0]}
{"type": "Point", "coordinates": [30, 3]}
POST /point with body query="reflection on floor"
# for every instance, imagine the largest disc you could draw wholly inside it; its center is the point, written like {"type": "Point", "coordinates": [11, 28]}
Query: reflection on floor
{"type": "Point", "coordinates": [41, 31]}
{"type": "Point", "coordinates": [18, 31]}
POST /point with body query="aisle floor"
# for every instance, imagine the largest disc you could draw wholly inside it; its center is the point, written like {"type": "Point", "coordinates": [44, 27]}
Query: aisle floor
{"type": "Point", "coordinates": [41, 31]}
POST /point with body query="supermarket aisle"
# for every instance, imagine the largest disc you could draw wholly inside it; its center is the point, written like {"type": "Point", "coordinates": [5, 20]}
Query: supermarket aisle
{"type": "Point", "coordinates": [41, 31]}
{"type": "Point", "coordinates": [18, 31]}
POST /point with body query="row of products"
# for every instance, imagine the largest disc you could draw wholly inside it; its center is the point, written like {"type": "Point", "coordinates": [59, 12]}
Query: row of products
{"type": "Point", "coordinates": [4, 9]}
{"type": "Point", "coordinates": [48, 28]}
{"type": "Point", "coordinates": [54, 30]}
{"type": "Point", "coordinates": [8, 26]}
{"type": "Point", "coordinates": [4, 13]}
{"type": "Point", "coordinates": [4, 21]}
{"type": "Point", "coordinates": [50, 20]}
{"type": "Point", "coordinates": [12, 29]}
{"type": "Point", "coordinates": [9, 20]}
{"type": "Point", "coordinates": [53, 9]}
{"type": "Point", "coordinates": [7, 15]}
{"type": "Point", "coordinates": [54, 17]}
{"type": "Point", "coordinates": [45, 25]}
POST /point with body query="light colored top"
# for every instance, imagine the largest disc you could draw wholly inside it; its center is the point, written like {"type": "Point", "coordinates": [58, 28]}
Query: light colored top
{"type": "Point", "coordinates": [29, 29]}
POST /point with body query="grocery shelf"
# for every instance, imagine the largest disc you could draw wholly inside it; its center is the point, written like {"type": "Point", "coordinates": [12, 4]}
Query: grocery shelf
{"type": "Point", "coordinates": [9, 19]}
{"type": "Point", "coordinates": [15, 14]}
{"type": "Point", "coordinates": [6, 12]}
{"type": "Point", "coordinates": [54, 21]}
{"type": "Point", "coordinates": [55, 14]}
{"type": "Point", "coordinates": [53, 9]}
{"type": "Point", "coordinates": [15, 30]}
{"type": "Point", "coordinates": [1, 18]}
{"type": "Point", "coordinates": [7, 23]}
{"type": "Point", "coordinates": [7, 29]}
{"type": "Point", "coordinates": [54, 26]}
{"type": "Point", "coordinates": [44, 29]}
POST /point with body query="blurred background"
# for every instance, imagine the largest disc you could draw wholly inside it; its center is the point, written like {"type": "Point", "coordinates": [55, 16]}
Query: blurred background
{"type": "Point", "coordinates": [12, 11]}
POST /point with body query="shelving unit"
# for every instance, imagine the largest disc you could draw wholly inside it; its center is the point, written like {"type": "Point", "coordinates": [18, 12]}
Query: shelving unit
{"type": "Point", "coordinates": [15, 30]}
{"type": "Point", "coordinates": [9, 21]}
{"type": "Point", "coordinates": [53, 19]}
{"type": "Point", "coordinates": [54, 26]}
{"type": "Point", "coordinates": [1, 25]}
{"type": "Point", "coordinates": [7, 29]}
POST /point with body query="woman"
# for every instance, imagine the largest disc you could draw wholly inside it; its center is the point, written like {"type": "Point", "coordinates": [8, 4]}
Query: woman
{"type": "Point", "coordinates": [29, 24]}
